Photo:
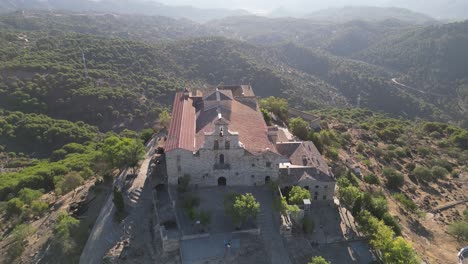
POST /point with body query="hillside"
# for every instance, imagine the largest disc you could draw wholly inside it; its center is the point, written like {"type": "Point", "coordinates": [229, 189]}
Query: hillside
{"type": "Point", "coordinates": [341, 39]}
{"type": "Point", "coordinates": [291, 70]}
{"type": "Point", "coordinates": [370, 13]}
{"type": "Point", "coordinates": [419, 168]}
{"type": "Point", "coordinates": [444, 73]}
{"type": "Point", "coordinates": [119, 6]}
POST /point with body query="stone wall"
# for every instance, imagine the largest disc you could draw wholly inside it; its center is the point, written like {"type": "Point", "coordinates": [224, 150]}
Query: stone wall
{"type": "Point", "coordinates": [240, 168]}
{"type": "Point", "coordinates": [319, 189]}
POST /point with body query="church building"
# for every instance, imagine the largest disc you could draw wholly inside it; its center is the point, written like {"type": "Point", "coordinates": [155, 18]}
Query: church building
{"type": "Point", "coordinates": [221, 138]}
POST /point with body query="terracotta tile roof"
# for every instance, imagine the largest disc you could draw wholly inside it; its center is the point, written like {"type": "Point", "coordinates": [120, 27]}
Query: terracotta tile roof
{"type": "Point", "coordinates": [190, 121]}
{"type": "Point", "coordinates": [296, 174]}
{"type": "Point", "coordinates": [182, 128]}
{"type": "Point", "coordinates": [304, 154]}
{"type": "Point", "coordinates": [244, 119]}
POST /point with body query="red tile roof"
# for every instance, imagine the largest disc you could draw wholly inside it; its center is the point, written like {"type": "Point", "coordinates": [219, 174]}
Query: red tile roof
{"type": "Point", "coordinates": [242, 118]}
{"type": "Point", "coordinates": [182, 128]}
{"type": "Point", "coordinates": [190, 122]}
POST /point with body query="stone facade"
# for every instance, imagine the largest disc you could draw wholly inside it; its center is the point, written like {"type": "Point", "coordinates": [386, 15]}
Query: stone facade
{"type": "Point", "coordinates": [222, 139]}
{"type": "Point", "coordinates": [222, 160]}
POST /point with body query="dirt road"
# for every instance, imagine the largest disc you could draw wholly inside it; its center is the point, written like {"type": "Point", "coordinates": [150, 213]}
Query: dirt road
{"type": "Point", "coordinates": [106, 231]}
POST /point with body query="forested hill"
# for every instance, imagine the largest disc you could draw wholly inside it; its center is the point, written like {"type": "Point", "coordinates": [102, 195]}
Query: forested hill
{"type": "Point", "coordinates": [341, 39]}
{"type": "Point", "coordinates": [117, 6]}
{"type": "Point", "coordinates": [431, 59]}
{"type": "Point", "coordinates": [132, 71]}
{"type": "Point", "coordinates": [370, 13]}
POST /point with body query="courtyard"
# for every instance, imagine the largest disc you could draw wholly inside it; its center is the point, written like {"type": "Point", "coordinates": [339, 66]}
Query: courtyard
{"type": "Point", "coordinates": [257, 241]}
{"type": "Point", "coordinates": [334, 237]}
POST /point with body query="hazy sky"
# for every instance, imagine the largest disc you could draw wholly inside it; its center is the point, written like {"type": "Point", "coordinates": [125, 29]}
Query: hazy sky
{"type": "Point", "coordinates": [268, 5]}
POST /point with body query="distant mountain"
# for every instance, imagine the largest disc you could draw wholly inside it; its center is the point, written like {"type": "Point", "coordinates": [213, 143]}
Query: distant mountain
{"type": "Point", "coordinates": [440, 9]}
{"type": "Point", "coordinates": [120, 6]}
{"type": "Point", "coordinates": [370, 13]}
{"type": "Point", "coordinates": [338, 38]}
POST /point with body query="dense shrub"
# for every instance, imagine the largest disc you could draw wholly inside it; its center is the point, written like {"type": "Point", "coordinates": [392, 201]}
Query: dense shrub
{"type": "Point", "coordinates": [406, 202]}
{"type": "Point", "coordinates": [439, 172]}
{"type": "Point", "coordinates": [372, 179]}
{"type": "Point", "coordinates": [395, 180]}
{"type": "Point", "coordinates": [423, 173]}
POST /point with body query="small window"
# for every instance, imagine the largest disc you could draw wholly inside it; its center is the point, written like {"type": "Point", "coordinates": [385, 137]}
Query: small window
{"type": "Point", "coordinates": [316, 186]}
{"type": "Point", "coordinates": [268, 164]}
{"type": "Point", "coordinates": [179, 169]}
{"type": "Point", "coordinates": [178, 157]}
{"type": "Point", "coordinates": [253, 164]}
{"type": "Point", "coordinates": [221, 159]}
{"type": "Point", "coordinates": [324, 197]}
{"type": "Point", "coordinates": [237, 173]}
{"type": "Point", "coordinates": [326, 186]}
{"type": "Point", "coordinates": [216, 144]}
{"type": "Point", "coordinates": [316, 193]}
{"type": "Point", "coordinates": [253, 176]}
{"type": "Point", "coordinates": [227, 144]}
{"type": "Point", "coordinates": [306, 187]}
{"type": "Point", "coordinates": [315, 197]}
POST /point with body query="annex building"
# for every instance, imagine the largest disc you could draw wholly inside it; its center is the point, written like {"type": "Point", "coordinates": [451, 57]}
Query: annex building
{"type": "Point", "coordinates": [220, 138]}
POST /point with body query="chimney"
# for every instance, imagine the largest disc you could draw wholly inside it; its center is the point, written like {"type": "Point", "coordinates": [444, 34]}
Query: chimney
{"type": "Point", "coordinates": [186, 93]}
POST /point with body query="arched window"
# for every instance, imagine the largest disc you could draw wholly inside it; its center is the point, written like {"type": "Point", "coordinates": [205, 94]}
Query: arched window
{"type": "Point", "coordinates": [221, 159]}
{"type": "Point", "coordinates": [216, 144]}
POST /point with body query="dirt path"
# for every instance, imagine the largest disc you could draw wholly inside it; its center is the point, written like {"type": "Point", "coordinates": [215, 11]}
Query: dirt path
{"type": "Point", "coordinates": [106, 231]}
{"type": "Point", "coordinates": [104, 234]}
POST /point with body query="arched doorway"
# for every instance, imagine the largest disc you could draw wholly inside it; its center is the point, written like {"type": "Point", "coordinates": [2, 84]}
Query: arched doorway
{"type": "Point", "coordinates": [221, 159]}
{"type": "Point", "coordinates": [221, 181]}
{"type": "Point", "coordinates": [267, 179]}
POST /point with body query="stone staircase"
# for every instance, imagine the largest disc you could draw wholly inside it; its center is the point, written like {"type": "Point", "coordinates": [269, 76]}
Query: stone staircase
{"type": "Point", "coordinates": [269, 231]}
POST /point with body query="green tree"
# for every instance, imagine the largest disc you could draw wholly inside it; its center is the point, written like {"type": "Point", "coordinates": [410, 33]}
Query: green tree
{"type": "Point", "coordinates": [459, 230]}
{"type": "Point", "coordinates": [400, 252]}
{"type": "Point", "coordinates": [112, 151]}
{"type": "Point", "coordinates": [241, 207]}
{"type": "Point", "coordinates": [69, 182]}
{"type": "Point", "coordinates": [165, 119]}
{"type": "Point", "coordinates": [39, 208]}
{"type": "Point", "coordinates": [276, 105]}
{"type": "Point", "coordinates": [460, 139]}
{"type": "Point", "coordinates": [146, 134]}
{"type": "Point", "coordinates": [382, 238]}
{"type": "Point", "coordinates": [319, 260]}
{"type": "Point", "coordinates": [422, 173]}
{"type": "Point", "coordinates": [315, 138]}
{"type": "Point", "coordinates": [28, 195]}
{"type": "Point", "coordinates": [299, 127]}
{"type": "Point", "coordinates": [439, 172]}
{"type": "Point", "coordinates": [348, 196]}
{"type": "Point", "coordinates": [266, 116]}
{"type": "Point", "coordinates": [298, 194]}
{"type": "Point", "coordinates": [14, 207]}
{"type": "Point", "coordinates": [395, 180]}
{"type": "Point", "coordinates": [65, 226]}
{"type": "Point", "coordinates": [133, 152]}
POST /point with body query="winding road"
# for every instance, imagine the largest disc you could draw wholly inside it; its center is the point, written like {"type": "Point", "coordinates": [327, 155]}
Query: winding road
{"type": "Point", "coordinates": [394, 80]}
